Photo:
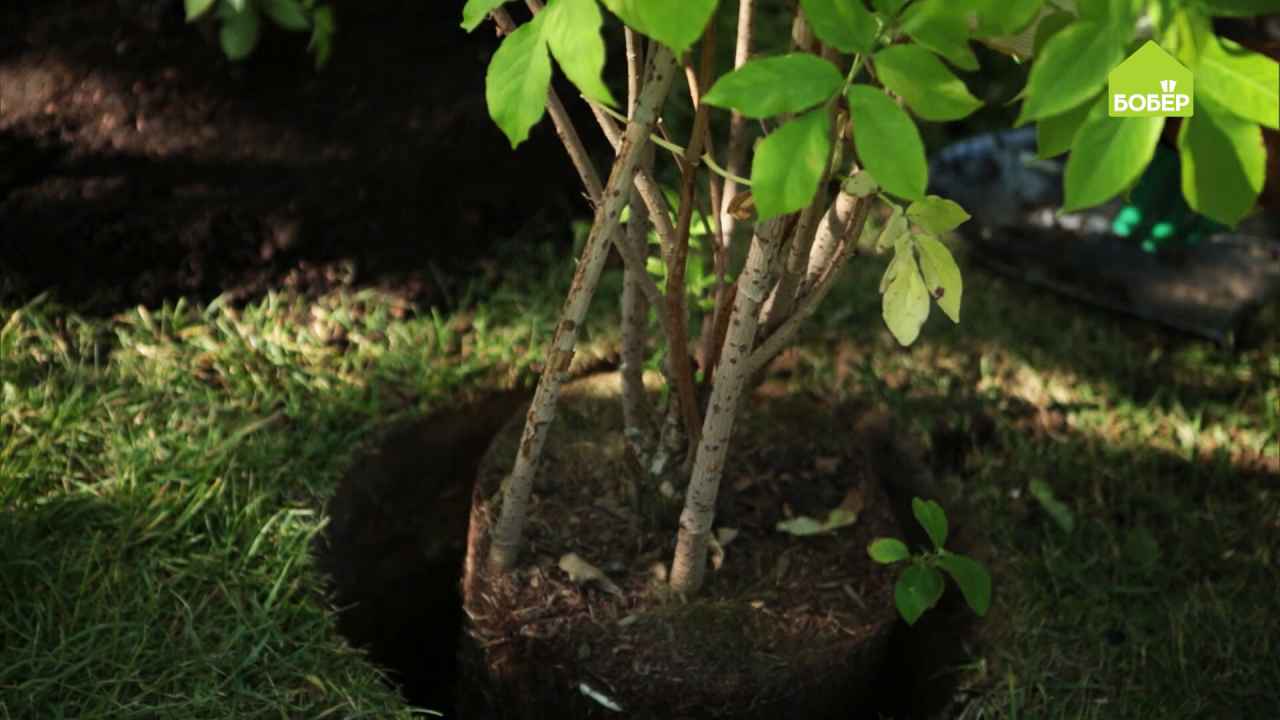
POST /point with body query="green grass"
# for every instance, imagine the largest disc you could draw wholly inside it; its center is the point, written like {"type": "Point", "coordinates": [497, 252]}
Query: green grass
{"type": "Point", "coordinates": [162, 473]}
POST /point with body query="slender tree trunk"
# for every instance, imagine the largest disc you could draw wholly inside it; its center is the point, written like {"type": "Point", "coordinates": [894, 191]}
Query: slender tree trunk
{"type": "Point", "coordinates": [508, 531]}
{"type": "Point", "coordinates": [689, 564]}
{"type": "Point", "coordinates": [637, 416]}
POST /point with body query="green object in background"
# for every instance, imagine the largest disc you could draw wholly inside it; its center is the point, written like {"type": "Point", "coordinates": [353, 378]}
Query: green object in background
{"type": "Point", "coordinates": [1157, 216]}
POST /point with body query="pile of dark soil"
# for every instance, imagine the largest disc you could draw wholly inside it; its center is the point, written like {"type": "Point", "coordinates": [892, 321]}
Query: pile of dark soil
{"type": "Point", "coordinates": [785, 626]}
{"type": "Point", "coordinates": [138, 165]}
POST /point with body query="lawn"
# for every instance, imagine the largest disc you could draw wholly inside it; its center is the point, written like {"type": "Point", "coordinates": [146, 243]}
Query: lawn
{"type": "Point", "coordinates": [164, 471]}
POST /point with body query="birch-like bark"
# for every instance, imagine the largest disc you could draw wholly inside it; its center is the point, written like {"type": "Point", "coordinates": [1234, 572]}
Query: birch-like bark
{"type": "Point", "coordinates": [508, 531]}
{"type": "Point", "coordinates": [577, 152]}
{"type": "Point", "coordinates": [736, 153]}
{"type": "Point", "coordinates": [637, 417]}
{"type": "Point", "coordinates": [840, 229]}
{"type": "Point", "coordinates": [689, 564]}
{"type": "Point", "coordinates": [783, 299]}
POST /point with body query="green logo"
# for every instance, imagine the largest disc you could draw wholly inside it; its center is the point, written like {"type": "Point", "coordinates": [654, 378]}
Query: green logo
{"type": "Point", "coordinates": [1150, 83]}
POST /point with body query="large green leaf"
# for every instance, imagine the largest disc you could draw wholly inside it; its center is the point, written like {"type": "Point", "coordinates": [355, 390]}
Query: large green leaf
{"type": "Point", "coordinates": [919, 589]}
{"type": "Point", "coordinates": [196, 8]}
{"type": "Point", "coordinates": [573, 35]}
{"type": "Point", "coordinates": [972, 577]}
{"type": "Point", "coordinates": [845, 25]}
{"type": "Point", "coordinates": [475, 11]}
{"type": "Point", "coordinates": [888, 142]}
{"type": "Point", "coordinates": [1054, 135]}
{"type": "Point", "coordinates": [517, 81]}
{"type": "Point", "coordinates": [937, 214]}
{"type": "Point", "coordinates": [931, 517]}
{"type": "Point", "coordinates": [1108, 156]}
{"type": "Point", "coordinates": [941, 26]}
{"type": "Point", "coordinates": [905, 304]}
{"type": "Point", "coordinates": [1243, 82]}
{"type": "Point", "coordinates": [789, 164]}
{"type": "Point", "coordinates": [674, 23]}
{"type": "Point", "coordinates": [941, 274]}
{"type": "Point", "coordinates": [1005, 17]}
{"type": "Point", "coordinates": [930, 89]}
{"type": "Point", "coordinates": [775, 85]}
{"type": "Point", "coordinates": [1071, 69]}
{"type": "Point", "coordinates": [288, 14]}
{"type": "Point", "coordinates": [239, 33]}
{"type": "Point", "coordinates": [887, 551]}
{"type": "Point", "coordinates": [1224, 162]}
{"type": "Point", "coordinates": [1048, 27]}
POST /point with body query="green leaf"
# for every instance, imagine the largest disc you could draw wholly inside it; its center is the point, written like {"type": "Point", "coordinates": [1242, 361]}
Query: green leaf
{"type": "Point", "coordinates": [322, 28]}
{"type": "Point", "coordinates": [972, 577]}
{"type": "Point", "coordinates": [941, 275]}
{"type": "Point", "coordinates": [675, 23]}
{"type": "Point", "coordinates": [845, 25]}
{"type": "Point", "coordinates": [941, 26]}
{"type": "Point", "coordinates": [1054, 507]}
{"type": "Point", "coordinates": [1071, 69]}
{"type": "Point", "coordinates": [288, 14]}
{"type": "Point", "coordinates": [1187, 35]}
{"type": "Point", "coordinates": [930, 89]}
{"type": "Point", "coordinates": [197, 8]}
{"type": "Point", "coordinates": [789, 164]}
{"type": "Point", "coordinates": [919, 589]}
{"type": "Point", "coordinates": [905, 305]}
{"type": "Point", "coordinates": [887, 551]}
{"type": "Point", "coordinates": [517, 80]}
{"type": "Point", "coordinates": [1243, 82]}
{"type": "Point", "coordinates": [573, 35]}
{"type": "Point", "coordinates": [1055, 134]}
{"type": "Point", "coordinates": [930, 516]}
{"type": "Point", "coordinates": [1108, 156]}
{"type": "Point", "coordinates": [239, 34]}
{"type": "Point", "coordinates": [1224, 162]}
{"type": "Point", "coordinates": [475, 11]}
{"type": "Point", "coordinates": [937, 214]}
{"type": "Point", "coordinates": [237, 5]}
{"type": "Point", "coordinates": [803, 525]}
{"type": "Point", "coordinates": [1048, 27]}
{"type": "Point", "coordinates": [862, 185]}
{"type": "Point", "coordinates": [894, 228]}
{"type": "Point", "coordinates": [1005, 17]}
{"type": "Point", "coordinates": [776, 85]}
{"type": "Point", "coordinates": [888, 142]}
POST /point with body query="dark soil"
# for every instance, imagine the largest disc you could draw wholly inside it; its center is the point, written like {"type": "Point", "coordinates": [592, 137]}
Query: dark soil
{"type": "Point", "coordinates": [394, 551]}
{"type": "Point", "coordinates": [784, 626]}
{"type": "Point", "coordinates": [138, 165]}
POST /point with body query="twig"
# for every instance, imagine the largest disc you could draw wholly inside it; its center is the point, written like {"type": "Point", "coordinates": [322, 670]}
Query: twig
{"type": "Point", "coordinates": [507, 532]}
{"type": "Point", "coordinates": [679, 341]}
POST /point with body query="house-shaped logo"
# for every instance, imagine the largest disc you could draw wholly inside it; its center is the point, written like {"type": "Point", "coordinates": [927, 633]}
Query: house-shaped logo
{"type": "Point", "coordinates": [1151, 83]}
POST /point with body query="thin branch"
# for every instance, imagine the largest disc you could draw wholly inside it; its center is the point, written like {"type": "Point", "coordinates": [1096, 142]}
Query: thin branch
{"type": "Point", "coordinates": [577, 152]}
{"type": "Point", "coordinates": [842, 225]}
{"type": "Point", "coordinates": [507, 532]}
{"type": "Point", "coordinates": [675, 149]}
{"type": "Point", "coordinates": [676, 291]}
